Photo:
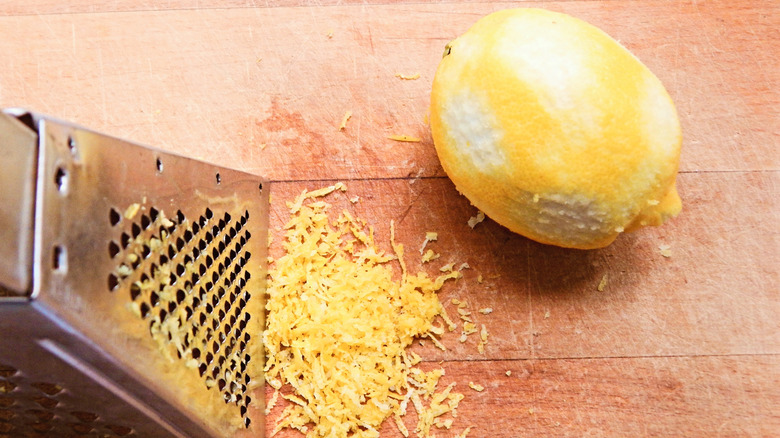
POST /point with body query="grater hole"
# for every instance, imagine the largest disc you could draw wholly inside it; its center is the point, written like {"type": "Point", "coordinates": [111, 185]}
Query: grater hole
{"type": "Point", "coordinates": [59, 258]}
{"type": "Point", "coordinates": [81, 428]}
{"type": "Point", "coordinates": [135, 291]}
{"type": "Point", "coordinates": [46, 402]}
{"type": "Point", "coordinates": [219, 179]}
{"type": "Point", "coordinates": [145, 309]}
{"type": "Point", "coordinates": [7, 371]}
{"type": "Point", "coordinates": [47, 388]}
{"type": "Point", "coordinates": [146, 222]}
{"type": "Point", "coordinates": [135, 229]}
{"type": "Point", "coordinates": [209, 213]}
{"type": "Point", "coordinates": [120, 430]}
{"type": "Point", "coordinates": [113, 282]}
{"type": "Point", "coordinates": [42, 427]}
{"type": "Point", "coordinates": [124, 239]}
{"type": "Point", "coordinates": [85, 417]}
{"type": "Point", "coordinates": [6, 386]}
{"type": "Point", "coordinates": [154, 214]}
{"type": "Point", "coordinates": [61, 179]}
{"type": "Point", "coordinates": [41, 415]}
{"type": "Point", "coordinates": [159, 165]}
{"type": "Point", "coordinates": [113, 249]}
{"type": "Point", "coordinates": [114, 217]}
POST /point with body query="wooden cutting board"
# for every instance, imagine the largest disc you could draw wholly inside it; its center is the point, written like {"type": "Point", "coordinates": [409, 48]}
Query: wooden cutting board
{"type": "Point", "coordinates": [686, 345]}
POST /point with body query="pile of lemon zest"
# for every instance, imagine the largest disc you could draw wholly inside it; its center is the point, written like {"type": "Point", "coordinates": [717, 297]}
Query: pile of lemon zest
{"type": "Point", "coordinates": [338, 325]}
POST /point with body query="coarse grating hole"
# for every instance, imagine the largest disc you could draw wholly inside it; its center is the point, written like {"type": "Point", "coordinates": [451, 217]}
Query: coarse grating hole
{"type": "Point", "coordinates": [47, 388]}
{"type": "Point", "coordinates": [81, 428]}
{"type": "Point", "coordinates": [46, 402]}
{"type": "Point", "coordinates": [7, 371]}
{"type": "Point", "coordinates": [85, 417]}
{"type": "Point", "coordinates": [6, 386]}
{"type": "Point", "coordinates": [219, 178]}
{"type": "Point", "coordinates": [120, 430]}
{"type": "Point", "coordinates": [159, 165]}
{"type": "Point", "coordinates": [41, 414]}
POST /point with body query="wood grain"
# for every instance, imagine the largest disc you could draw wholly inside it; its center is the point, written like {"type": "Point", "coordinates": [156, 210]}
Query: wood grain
{"type": "Point", "coordinates": [265, 89]}
{"type": "Point", "coordinates": [702, 396]}
{"type": "Point", "coordinates": [682, 346]}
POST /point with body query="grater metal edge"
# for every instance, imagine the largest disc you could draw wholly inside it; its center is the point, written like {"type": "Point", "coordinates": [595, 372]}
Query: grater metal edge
{"type": "Point", "coordinates": [144, 295]}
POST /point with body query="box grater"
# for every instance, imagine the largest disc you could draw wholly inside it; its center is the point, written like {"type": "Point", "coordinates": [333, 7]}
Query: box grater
{"type": "Point", "coordinates": [131, 288]}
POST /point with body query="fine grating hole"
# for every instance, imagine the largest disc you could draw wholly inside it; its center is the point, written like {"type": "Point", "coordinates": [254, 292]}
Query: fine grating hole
{"type": "Point", "coordinates": [124, 240]}
{"type": "Point", "coordinates": [114, 217]}
{"type": "Point", "coordinates": [135, 291]}
{"type": "Point", "coordinates": [145, 310]}
{"type": "Point", "coordinates": [154, 214]}
{"type": "Point", "coordinates": [135, 229]}
{"type": "Point", "coordinates": [113, 282]}
{"type": "Point", "coordinates": [209, 213]}
{"type": "Point", "coordinates": [145, 222]}
{"type": "Point", "coordinates": [113, 249]}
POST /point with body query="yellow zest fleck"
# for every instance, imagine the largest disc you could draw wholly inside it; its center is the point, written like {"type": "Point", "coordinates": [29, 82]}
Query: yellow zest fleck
{"type": "Point", "coordinates": [408, 77]}
{"type": "Point", "coordinates": [404, 138]}
{"type": "Point", "coordinates": [131, 210]}
{"type": "Point", "coordinates": [474, 220]}
{"type": "Point", "coordinates": [344, 120]}
{"type": "Point", "coordinates": [602, 283]}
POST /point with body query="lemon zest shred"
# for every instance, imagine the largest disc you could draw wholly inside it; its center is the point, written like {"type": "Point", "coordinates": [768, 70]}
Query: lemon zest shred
{"type": "Point", "coordinates": [404, 138]}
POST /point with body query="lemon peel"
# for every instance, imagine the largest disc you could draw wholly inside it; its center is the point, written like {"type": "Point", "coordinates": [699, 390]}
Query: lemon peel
{"type": "Point", "coordinates": [554, 130]}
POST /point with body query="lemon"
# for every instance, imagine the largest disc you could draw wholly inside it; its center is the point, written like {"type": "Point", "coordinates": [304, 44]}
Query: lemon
{"type": "Point", "coordinates": [555, 130]}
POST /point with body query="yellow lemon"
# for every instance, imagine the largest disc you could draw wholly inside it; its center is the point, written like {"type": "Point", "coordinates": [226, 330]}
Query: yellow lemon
{"type": "Point", "coordinates": [555, 130]}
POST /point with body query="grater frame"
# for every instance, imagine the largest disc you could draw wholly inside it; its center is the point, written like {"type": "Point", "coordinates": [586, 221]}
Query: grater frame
{"type": "Point", "coordinates": [132, 283]}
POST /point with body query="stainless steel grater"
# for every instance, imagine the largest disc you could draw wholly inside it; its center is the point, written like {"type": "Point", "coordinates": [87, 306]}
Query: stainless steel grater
{"type": "Point", "coordinates": [131, 288]}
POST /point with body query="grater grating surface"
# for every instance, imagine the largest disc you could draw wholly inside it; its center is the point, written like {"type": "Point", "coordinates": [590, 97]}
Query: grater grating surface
{"type": "Point", "coordinates": [141, 298]}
